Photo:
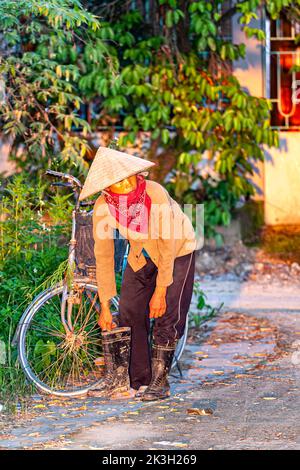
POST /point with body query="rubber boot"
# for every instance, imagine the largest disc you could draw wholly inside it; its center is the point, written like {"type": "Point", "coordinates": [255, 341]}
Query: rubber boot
{"type": "Point", "coordinates": [116, 349]}
{"type": "Point", "coordinates": [159, 388]}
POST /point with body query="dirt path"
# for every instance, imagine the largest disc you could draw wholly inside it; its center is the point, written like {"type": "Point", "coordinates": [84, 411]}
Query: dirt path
{"type": "Point", "coordinates": [242, 368]}
{"type": "Point", "coordinates": [252, 296]}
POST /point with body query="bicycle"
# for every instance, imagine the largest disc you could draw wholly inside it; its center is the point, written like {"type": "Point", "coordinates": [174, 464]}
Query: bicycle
{"type": "Point", "coordinates": [58, 337]}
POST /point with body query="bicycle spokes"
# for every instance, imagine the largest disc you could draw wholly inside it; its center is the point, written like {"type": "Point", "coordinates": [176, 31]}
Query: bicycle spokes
{"type": "Point", "coordinates": [66, 358]}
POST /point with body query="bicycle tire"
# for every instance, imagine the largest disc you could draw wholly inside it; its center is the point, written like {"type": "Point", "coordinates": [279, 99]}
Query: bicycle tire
{"type": "Point", "coordinates": [181, 345]}
{"type": "Point", "coordinates": [23, 327]}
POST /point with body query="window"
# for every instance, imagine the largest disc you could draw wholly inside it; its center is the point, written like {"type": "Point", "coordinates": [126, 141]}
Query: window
{"type": "Point", "coordinates": [284, 79]}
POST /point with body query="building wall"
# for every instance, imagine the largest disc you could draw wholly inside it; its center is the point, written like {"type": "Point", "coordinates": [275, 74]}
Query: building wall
{"type": "Point", "coordinates": [282, 181]}
{"type": "Point", "coordinates": [278, 178]}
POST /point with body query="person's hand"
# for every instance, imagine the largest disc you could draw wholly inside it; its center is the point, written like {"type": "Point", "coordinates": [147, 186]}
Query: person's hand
{"type": "Point", "coordinates": [158, 304]}
{"type": "Point", "coordinates": [105, 319]}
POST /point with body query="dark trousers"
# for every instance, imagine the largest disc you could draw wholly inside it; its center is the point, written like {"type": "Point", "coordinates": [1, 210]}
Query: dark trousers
{"type": "Point", "coordinates": [136, 292]}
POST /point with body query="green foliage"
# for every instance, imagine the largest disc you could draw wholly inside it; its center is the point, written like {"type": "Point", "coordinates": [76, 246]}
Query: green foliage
{"type": "Point", "coordinates": [193, 108]}
{"type": "Point", "coordinates": [24, 215]}
{"type": "Point", "coordinates": [32, 248]}
{"type": "Point", "coordinates": [43, 350]}
{"type": "Point", "coordinates": [19, 280]}
{"type": "Point", "coordinates": [204, 311]}
{"type": "Point", "coordinates": [13, 387]}
{"type": "Point", "coordinates": [50, 49]}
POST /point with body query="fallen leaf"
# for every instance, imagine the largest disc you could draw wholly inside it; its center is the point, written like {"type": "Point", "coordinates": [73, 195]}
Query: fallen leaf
{"type": "Point", "coordinates": [242, 376]}
{"type": "Point", "coordinates": [200, 411]}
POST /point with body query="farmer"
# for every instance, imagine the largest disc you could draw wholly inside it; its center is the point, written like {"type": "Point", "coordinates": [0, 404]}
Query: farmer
{"type": "Point", "coordinates": [158, 279]}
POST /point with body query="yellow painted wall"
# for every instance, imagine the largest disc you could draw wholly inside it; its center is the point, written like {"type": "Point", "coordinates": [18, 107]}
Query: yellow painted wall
{"type": "Point", "coordinates": [279, 175]}
{"type": "Point", "coordinates": [282, 181]}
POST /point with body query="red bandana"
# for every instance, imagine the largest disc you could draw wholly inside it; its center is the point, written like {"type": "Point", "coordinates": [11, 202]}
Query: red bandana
{"type": "Point", "coordinates": [131, 210]}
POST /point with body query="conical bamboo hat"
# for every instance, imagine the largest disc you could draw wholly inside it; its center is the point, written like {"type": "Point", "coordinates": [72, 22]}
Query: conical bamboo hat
{"type": "Point", "coordinates": [109, 167]}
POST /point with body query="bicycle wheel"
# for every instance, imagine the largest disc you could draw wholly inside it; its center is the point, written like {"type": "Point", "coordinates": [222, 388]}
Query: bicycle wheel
{"type": "Point", "coordinates": [60, 363]}
{"type": "Point", "coordinates": [181, 344]}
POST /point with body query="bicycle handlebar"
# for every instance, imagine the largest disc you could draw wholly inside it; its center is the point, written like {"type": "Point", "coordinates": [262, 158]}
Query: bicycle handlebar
{"type": "Point", "coordinates": [72, 179]}
{"type": "Point", "coordinates": [71, 182]}
{"type": "Point", "coordinates": [54, 173]}
{"type": "Point", "coordinates": [61, 183]}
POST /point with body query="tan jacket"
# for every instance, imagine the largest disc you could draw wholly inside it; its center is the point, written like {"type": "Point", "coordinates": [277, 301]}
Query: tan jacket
{"type": "Point", "coordinates": [171, 235]}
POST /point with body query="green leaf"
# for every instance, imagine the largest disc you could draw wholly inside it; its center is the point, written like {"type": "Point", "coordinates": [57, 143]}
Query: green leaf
{"type": "Point", "coordinates": [201, 44]}
{"type": "Point", "coordinates": [155, 134]}
{"type": "Point", "coordinates": [169, 18]}
{"type": "Point", "coordinates": [165, 136]}
{"type": "Point", "coordinates": [211, 43]}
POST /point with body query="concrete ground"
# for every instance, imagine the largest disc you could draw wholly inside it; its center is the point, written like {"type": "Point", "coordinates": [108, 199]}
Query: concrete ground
{"type": "Point", "coordinates": [239, 390]}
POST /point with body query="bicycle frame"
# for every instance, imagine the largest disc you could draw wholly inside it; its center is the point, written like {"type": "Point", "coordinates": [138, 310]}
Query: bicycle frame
{"type": "Point", "coordinates": [67, 296]}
